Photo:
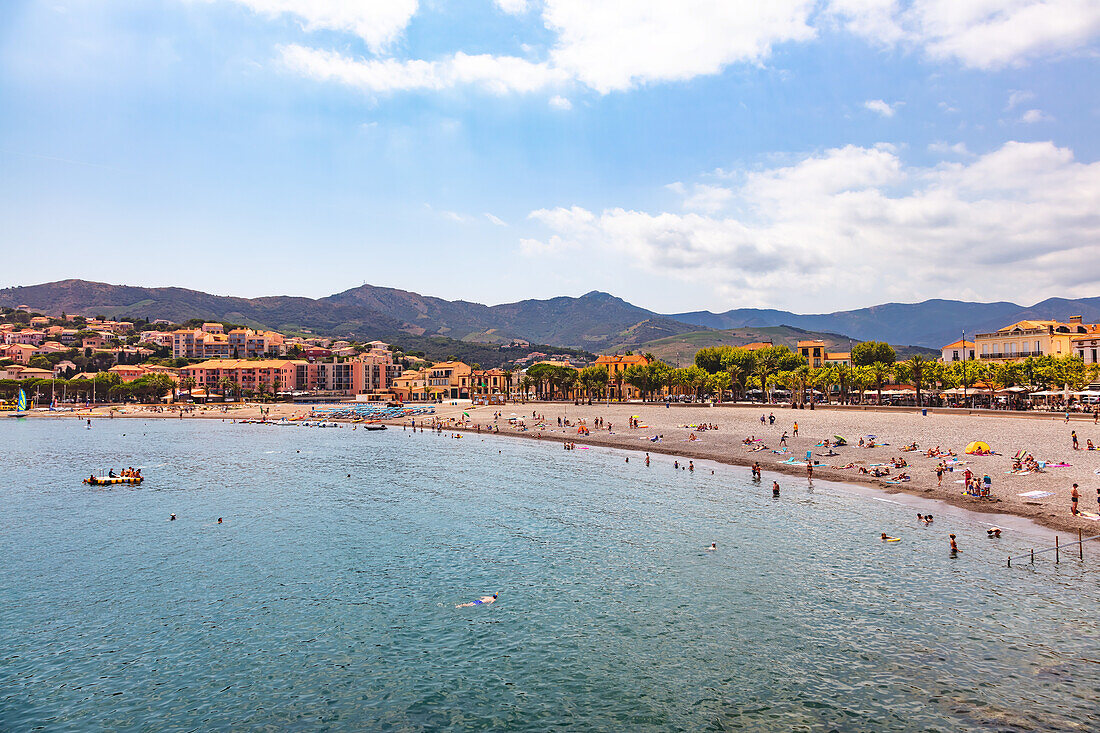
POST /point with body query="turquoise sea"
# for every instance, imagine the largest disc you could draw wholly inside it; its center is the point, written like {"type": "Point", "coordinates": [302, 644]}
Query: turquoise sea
{"type": "Point", "coordinates": [326, 601]}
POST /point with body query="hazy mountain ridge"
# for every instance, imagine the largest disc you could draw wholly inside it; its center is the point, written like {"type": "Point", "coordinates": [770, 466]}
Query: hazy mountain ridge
{"type": "Point", "coordinates": [931, 323]}
{"type": "Point", "coordinates": [595, 321]}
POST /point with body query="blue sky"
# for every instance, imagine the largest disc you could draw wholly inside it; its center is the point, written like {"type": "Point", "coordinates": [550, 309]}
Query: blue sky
{"type": "Point", "coordinates": [801, 154]}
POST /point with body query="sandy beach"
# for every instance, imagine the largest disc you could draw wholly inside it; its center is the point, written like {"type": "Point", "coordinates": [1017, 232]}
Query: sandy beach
{"type": "Point", "coordinates": [1048, 439]}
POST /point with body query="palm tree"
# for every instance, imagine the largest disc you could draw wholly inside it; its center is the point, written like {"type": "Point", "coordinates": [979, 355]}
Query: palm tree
{"type": "Point", "coordinates": [226, 384]}
{"type": "Point", "coordinates": [803, 377]}
{"type": "Point", "coordinates": [187, 384]}
{"type": "Point", "coordinates": [507, 383]}
{"type": "Point", "coordinates": [843, 374]}
{"type": "Point", "coordinates": [879, 372]}
{"type": "Point", "coordinates": [737, 378]}
{"type": "Point", "coordinates": [766, 365]}
{"type": "Point", "coordinates": [918, 369]}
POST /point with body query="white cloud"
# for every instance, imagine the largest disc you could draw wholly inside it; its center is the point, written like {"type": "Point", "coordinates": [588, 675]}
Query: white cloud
{"type": "Point", "coordinates": [560, 102]}
{"type": "Point", "coordinates": [1018, 96]}
{"type": "Point", "coordinates": [377, 22]}
{"type": "Point", "coordinates": [512, 7]}
{"type": "Point", "coordinates": [855, 224]}
{"type": "Point", "coordinates": [982, 34]}
{"type": "Point", "coordinates": [702, 196]}
{"type": "Point", "coordinates": [880, 107]}
{"type": "Point", "coordinates": [1035, 115]}
{"type": "Point", "coordinates": [496, 220]}
{"type": "Point", "coordinates": [498, 74]}
{"type": "Point", "coordinates": [622, 43]}
{"type": "Point", "coordinates": [945, 148]}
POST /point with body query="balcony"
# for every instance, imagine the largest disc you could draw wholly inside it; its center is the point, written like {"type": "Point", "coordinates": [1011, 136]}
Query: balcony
{"type": "Point", "coordinates": [1014, 355]}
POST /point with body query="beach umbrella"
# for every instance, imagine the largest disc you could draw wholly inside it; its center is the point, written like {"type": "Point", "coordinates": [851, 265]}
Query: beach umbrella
{"type": "Point", "coordinates": [977, 446]}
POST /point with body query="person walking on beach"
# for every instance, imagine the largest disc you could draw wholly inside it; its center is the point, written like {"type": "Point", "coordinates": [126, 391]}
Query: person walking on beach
{"type": "Point", "coordinates": [1073, 436]}
{"type": "Point", "coordinates": [1074, 497]}
{"type": "Point", "coordinates": [783, 438]}
{"type": "Point", "coordinates": [939, 475]}
{"type": "Point", "coordinates": [794, 433]}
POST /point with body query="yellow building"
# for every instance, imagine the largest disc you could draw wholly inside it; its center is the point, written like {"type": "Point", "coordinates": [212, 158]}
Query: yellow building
{"type": "Point", "coordinates": [616, 365]}
{"type": "Point", "coordinates": [449, 380]}
{"type": "Point", "coordinates": [1030, 338]}
{"type": "Point", "coordinates": [815, 354]}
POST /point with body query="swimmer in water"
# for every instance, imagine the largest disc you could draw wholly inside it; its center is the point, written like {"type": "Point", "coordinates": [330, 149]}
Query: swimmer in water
{"type": "Point", "coordinates": [713, 547]}
{"type": "Point", "coordinates": [954, 547]}
{"type": "Point", "coordinates": [887, 538]}
{"type": "Point", "coordinates": [479, 602]}
{"type": "Point", "coordinates": [171, 517]}
{"type": "Point", "coordinates": [219, 520]}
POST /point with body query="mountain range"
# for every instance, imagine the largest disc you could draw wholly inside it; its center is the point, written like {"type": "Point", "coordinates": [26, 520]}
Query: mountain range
{"type": "Point", "coordinates": [595, 321]}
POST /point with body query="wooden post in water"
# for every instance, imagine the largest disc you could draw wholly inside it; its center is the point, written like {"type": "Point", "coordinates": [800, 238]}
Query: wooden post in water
{"type": "Point", "coordinates": [1032, 555]}
{"type": "Point", "coordinates": [1080, 544]}
{"type": "Point", "coordinates": [1055, 549]}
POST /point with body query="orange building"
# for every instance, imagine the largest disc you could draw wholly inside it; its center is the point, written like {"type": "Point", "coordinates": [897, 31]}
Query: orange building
{"type": "Point", "coordinates": [616, 365]}
{"type": "Point", "coordinates": [270, 375]}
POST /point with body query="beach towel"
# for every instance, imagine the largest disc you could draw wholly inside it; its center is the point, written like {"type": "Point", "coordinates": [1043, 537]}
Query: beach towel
{"type": "Point", "coordinates": [1090, 516]}
{"type": "Point", "coordinates": [1036, 494]}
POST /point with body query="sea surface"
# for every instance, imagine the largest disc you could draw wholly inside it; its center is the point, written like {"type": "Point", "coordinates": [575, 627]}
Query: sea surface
{"type": "Point", "coordinates": [326, 600]}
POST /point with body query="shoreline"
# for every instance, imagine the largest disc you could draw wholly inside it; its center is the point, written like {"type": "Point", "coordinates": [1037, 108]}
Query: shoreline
{"type": "Point", "coordinates": [853, 484]}
{"type": "Point", "coordinates": [723, 447]}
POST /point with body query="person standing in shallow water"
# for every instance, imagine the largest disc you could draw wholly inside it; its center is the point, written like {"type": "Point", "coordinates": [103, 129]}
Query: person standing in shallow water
{"type": "Point", "coordinates": [775, 488]}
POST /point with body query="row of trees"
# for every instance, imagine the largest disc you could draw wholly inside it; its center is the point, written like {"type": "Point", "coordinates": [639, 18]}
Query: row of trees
{"type": "Point", "coordinates": [922, 374]}
{"type": "Point", "coordinates": [105, 387]}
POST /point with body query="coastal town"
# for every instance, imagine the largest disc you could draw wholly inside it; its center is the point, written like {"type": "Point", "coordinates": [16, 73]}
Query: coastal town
{"type": "Point", "coordinates": [862, 415]}
{"type": "Point", "coordinates": [68, 360]}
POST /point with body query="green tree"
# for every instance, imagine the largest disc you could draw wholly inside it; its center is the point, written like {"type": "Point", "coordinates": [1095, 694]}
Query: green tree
{"type": "Point", "coordinates": [918, 374]}
{"type": "Point", "coordinates": [870, 352]}
{"type": "Point", "coordinates": [880, 372]}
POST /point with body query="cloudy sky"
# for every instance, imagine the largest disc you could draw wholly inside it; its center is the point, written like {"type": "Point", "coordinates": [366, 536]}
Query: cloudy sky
{"type": "Point", "coordinates": [803, 154]}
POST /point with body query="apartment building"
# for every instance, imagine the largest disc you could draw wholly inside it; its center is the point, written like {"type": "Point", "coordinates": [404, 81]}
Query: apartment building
{"type": "Point", "coordinates": [961, 350]}
{"type": "Point", "coordinates": [616, 365]}
{"type": "Point", "coordinates": [1031, 338]}
{"type": "Point", "coordinates": [268, 375]}
{"type": "Point", "coordinates": [815, 353]}
{"type": "Point", "coordinates": [241, 343]}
